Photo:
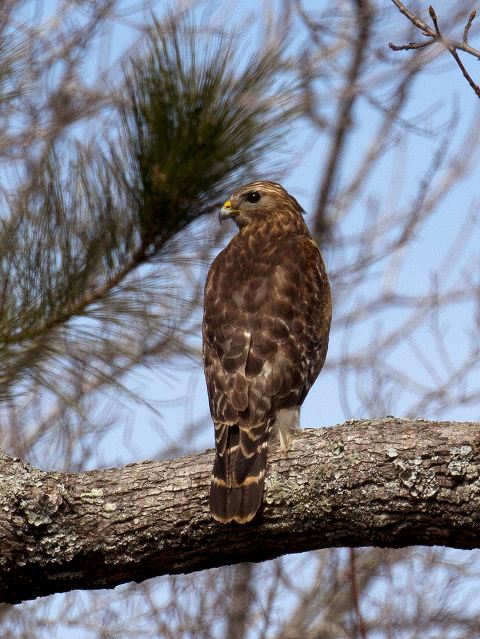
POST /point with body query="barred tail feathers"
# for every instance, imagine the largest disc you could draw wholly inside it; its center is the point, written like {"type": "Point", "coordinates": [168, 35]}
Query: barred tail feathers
{"type": "Point", "coordinates": [238, 477]}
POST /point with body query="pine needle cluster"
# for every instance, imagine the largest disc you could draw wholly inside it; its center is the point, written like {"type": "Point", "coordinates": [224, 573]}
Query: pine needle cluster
{"type": "Point", "coordinates": [84, 241]}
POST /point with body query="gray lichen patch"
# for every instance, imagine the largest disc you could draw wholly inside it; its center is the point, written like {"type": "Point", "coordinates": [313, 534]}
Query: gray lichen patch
{"type": "Point", "coordinates": [463, 451]}
{"type": "Point", "coordinates": [461, 465]}
{"type": "Point", "coordinates": [308, 499]}
{"type": "Point", "coordinates": [420, 481]}
{"type": "Point", "coordinates": [303, 499]}
{"type": "Point", "coordinates": [463, 468]}
{"type": "Point", "coordinates": [59, 547]}
{"type": "Point", "coordinates": [338, 449]}
{"type": "Point", "coordinates": [282, 490]}
{"type": "Point", "coordinates": [43, 503]}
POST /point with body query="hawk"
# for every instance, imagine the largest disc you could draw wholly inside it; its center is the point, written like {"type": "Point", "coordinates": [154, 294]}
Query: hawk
{"type": "Point", "coordinates": [267, 313]}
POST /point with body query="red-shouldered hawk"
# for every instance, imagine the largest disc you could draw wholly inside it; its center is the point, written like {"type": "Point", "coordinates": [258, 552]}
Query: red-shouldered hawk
{"type": "Point", "coordinates": [265, 336]}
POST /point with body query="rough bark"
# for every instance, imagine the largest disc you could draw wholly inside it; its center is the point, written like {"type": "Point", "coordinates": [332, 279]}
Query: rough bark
{"type": "Point", "coordinates": [386, 482]}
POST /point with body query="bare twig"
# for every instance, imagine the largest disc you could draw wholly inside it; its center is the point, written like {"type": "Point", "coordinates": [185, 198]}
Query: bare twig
{"type": "Point", "coordinates": [436, 36]}
{"type": "Point", "coordinates": [433, 15]}
{"type": "Point", "coordinates": [471, 18]}
{"type": "Point", "coordinates": [409, 46]}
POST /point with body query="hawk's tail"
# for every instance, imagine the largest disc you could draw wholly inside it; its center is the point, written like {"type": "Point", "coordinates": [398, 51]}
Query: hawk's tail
{"type": "Point", "coordinates": [238, 477]}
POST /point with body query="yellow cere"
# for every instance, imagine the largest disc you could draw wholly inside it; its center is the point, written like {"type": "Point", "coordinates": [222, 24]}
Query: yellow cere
{"type": "Point", "coordinates": [227, 205]}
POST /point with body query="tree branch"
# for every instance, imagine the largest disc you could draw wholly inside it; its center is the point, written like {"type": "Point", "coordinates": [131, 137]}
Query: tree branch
{"type": "Point", "coordinates": [387, 482]}
{"type": "Point", "coordinates": [347, 100]}
{"type": "Point", "coordinates": [436, 36]}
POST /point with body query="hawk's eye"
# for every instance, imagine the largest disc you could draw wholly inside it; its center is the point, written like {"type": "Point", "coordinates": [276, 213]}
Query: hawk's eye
{"type": "Point", "coordinates": [253, 197]}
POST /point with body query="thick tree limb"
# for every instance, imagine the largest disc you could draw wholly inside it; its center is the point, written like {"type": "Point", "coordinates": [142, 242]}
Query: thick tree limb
{"type": "Point", "coordinates": [387, 482]}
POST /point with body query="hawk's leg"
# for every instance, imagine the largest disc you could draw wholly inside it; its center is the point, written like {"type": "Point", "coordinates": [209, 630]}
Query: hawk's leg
{"type": "Point", "coordinates": [286, 423]}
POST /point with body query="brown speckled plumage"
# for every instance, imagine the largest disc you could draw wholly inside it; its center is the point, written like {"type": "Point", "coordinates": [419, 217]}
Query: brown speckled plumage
{"type": "Point", "coordinates": [265, 337]}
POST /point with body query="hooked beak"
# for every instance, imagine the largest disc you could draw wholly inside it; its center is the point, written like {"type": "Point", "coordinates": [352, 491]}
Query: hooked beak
{"type": "Point", "coordinates": [226, 212]}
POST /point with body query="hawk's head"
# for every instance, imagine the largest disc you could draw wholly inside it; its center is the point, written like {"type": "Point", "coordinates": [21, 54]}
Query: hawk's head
{"type": "Point", "coordinates": [259, 201]}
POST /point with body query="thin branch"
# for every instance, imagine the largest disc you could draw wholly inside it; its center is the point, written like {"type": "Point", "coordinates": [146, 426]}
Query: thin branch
{"type": "Point", "coordinates": [433, 15]}
{"type": "Point", "coordinates": [409, 46]}
{"type": "Point", "coordinates": [423, 26]}
{"type": "Point", "coordinates": [465, 73]}
{"type": "Point", "coordinates": [436, 36]}
{"type": "Point", "coordinates": [470, 20]}
{"type": "Point", "coordinates": [347, 100]}
{"type": "Point", "coordinates": [355, 595]}
{"type": "Point", "coordinates": [429, 32]}
{"type": "Point", "coordinates": [240, 604]}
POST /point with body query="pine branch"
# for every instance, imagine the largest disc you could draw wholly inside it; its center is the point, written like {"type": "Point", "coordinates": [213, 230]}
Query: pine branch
{"type": "Point", "coordinates": [386, 482]}
{"type": "Point", "coordinates": [191, 125]}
